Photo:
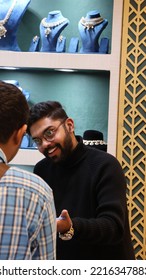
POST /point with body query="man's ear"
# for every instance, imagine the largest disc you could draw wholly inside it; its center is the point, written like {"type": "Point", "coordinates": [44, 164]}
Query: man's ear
{"type": "Point", "coordinates": [70, 124]}
{"type": "Point", "coordinates": [19, 134]}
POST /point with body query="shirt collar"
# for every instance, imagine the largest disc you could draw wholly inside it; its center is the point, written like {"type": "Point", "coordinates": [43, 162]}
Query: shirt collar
{"type": "Point", "coordinates": [3, 157]}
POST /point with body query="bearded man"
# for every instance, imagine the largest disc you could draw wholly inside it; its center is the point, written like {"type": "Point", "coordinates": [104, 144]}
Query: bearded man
{"type": "Point", "coordinates": [89, 189]}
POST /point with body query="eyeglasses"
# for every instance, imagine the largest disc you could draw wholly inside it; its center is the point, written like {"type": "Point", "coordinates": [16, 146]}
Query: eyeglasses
{"type": "Point", "coordinates": [48, 135]}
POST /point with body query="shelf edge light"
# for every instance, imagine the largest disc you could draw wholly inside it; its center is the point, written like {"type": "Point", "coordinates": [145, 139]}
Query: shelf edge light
{"type": "Point", "coordinates": [64, 70]}
{"type": "Point", "coordinates": [8, 68]}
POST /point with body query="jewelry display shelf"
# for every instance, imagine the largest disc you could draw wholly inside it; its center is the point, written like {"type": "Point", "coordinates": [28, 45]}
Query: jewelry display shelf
{"type": "Point", "coordinates": [27, 157]}
{"type": "Point", "coordinates": [56, 60]}
{"type": "Point", "coordinates": [77, 61]}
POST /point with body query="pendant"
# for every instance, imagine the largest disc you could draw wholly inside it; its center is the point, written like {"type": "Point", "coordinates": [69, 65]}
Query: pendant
{"type": "Point", "coordinates": [47, 31]}
{"type": "Point", "coordinates": [3, 31]}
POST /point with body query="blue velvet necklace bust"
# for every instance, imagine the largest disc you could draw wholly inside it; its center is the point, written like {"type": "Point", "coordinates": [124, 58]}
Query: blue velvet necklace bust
{"type": "Point", "coordinates": [11, 13]}
{"type": "Point", "coordinates": [90, 29]}
{"type": "Point", "coordinates": [50, 29]}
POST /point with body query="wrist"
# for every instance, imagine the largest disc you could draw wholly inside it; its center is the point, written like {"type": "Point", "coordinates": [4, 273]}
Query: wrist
{"type": "Point", "coordinates": [68, 234]}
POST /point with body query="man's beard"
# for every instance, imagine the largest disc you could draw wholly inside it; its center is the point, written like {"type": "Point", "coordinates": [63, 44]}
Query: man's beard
{"type": "Point", "coordinates": [65, 150]}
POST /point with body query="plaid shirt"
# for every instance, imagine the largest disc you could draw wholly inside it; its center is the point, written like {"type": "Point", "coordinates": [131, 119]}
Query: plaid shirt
{"type": "Point", "coordinates": [27, 217]}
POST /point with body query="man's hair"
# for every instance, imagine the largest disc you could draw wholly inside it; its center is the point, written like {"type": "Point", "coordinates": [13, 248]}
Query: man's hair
{"type": "Point", "coordinates": [14, 110]}
{"type": "Point", "coordinates": [49, 109]}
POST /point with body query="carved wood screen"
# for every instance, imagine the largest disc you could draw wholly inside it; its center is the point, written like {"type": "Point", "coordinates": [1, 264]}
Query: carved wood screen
{"type": "Point", "coordinates": [131, 123]}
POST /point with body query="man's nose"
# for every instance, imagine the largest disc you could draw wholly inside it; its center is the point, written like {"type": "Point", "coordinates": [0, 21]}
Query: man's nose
{"type": "Point", "coordinates": [45, 143]}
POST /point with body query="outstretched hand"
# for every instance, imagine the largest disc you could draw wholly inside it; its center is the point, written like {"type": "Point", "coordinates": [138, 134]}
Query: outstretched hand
{"type": "Point", "coordinates": [63, 222]}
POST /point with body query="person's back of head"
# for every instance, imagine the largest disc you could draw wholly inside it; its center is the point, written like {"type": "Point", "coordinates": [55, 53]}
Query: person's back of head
{"type": "Point", "coordinates": [30, 229]}
{"type": "Point", "coordinates": [50, 109]}
{"type": "Point", "coordinates": [14, 110]}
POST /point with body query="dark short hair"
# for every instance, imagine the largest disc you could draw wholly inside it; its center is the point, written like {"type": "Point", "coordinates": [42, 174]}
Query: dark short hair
{"type": "Point", "coordinates": [14, 110]}
{"type": "Point", "coordinates": [49, 109]}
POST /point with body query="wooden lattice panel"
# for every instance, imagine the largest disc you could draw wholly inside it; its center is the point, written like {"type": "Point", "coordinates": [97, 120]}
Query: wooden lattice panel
{"type": "Point", "coordinates": [131, 124]}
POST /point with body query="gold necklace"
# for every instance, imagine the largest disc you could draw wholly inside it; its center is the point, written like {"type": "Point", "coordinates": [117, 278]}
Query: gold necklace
{"type": "Point", "coordinates": [94, 142]}
{"type": "Point", "coordinates": [49, 25]}
{"type": "Point", "coordinates": [90, 23]}
{"type": "Point", "coordinates": [3, 30]}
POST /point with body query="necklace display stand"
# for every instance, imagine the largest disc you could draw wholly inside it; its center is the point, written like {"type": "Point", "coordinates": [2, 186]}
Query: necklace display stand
{"type": "Point", "coordinates": [11, 13]}
{"type": "Point", "coordinates": [104, 45]}
{"type": "Point", "coordinates": [16, 83]}
{"type": "Point", "coordinates": [73, 45]}
{"type": "Point", "coordinates": [90, 29]}
{"type": "Point", "coordinates": [61, 44]}
{"type": "Point", "coordinates": [50, 30]}
{"type": "Point", "coordinates": [34, 45]}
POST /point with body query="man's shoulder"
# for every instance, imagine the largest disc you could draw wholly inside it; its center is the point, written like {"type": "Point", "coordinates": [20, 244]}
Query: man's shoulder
{"type": "Point", "coordinates": [44, 161]}
{"type": "Point", "coordinates": [30, 181]}
{"type": "Point", "coordinates": [43, 165]}
{"type": "Point", "coordinates": [102, 156]}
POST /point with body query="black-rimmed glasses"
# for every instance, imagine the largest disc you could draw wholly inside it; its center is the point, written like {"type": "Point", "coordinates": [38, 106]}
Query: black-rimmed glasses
{"type": "Point", "coordinates": [48, 135]}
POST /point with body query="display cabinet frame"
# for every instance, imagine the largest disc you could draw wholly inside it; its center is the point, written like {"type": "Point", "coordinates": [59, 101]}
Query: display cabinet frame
{"type": "Point", "coordinates": [100, 62]}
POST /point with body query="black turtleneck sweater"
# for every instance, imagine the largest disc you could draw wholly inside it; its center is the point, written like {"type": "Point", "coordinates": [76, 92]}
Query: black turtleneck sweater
{"type": "Point", "coordinates": [91, 185]}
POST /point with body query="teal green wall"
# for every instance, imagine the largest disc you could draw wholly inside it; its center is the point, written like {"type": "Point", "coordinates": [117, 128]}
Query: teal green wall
{"type": "Point", "coordinates": [71, 9]}
{"type": "Point", "coordinates": [84, 95]}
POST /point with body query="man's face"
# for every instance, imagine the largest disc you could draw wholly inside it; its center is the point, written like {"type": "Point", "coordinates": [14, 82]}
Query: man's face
{"type": "Point", "coordinates": [54, 137]}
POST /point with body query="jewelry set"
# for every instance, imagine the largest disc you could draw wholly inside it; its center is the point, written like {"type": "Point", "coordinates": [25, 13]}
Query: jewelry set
{"type": "Point", "coordinates": [86, 22]}
{"type": "Point", "coordinates": [90, 23]}
{"type": "Point", "coordinates": [49, 25]}
{"type": "Point", "coordinates": [3, 29]}
{"type": "Point", "coordinates": [94, 142]}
